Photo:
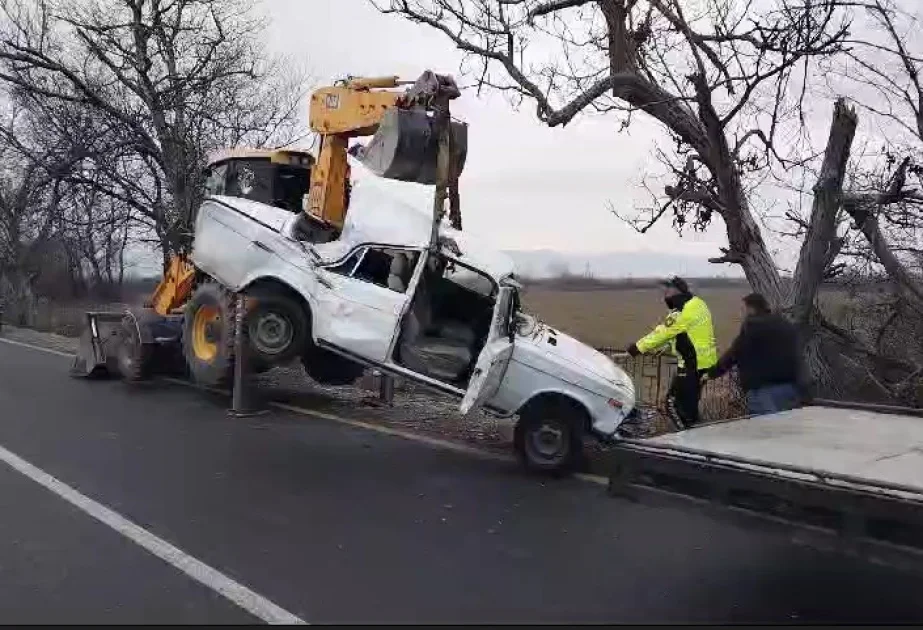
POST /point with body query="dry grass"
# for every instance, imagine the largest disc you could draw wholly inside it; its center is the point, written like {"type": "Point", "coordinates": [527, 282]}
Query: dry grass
{"type": "Point", "coordinates": [617, 317]}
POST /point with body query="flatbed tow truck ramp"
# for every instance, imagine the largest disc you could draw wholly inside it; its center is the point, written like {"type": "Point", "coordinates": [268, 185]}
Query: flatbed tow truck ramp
{"type": "Point", "coordinates": [845, 478]}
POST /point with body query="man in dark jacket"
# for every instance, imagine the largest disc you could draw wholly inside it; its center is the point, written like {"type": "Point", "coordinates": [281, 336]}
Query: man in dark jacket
{"type": "Point", "coordinates": [766, 354]}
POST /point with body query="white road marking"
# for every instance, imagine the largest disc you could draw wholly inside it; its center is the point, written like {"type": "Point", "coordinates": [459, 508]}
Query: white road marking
{"type": "Point", "coordinates": [69, 355]}
{"type": "Point", "coordinates": [598, 480]}
{"type": "Point", "coordinates": [199, 571]}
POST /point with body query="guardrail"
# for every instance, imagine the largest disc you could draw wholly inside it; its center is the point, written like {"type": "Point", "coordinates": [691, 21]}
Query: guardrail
{"type": "Point", "coordinates": [721, 398]}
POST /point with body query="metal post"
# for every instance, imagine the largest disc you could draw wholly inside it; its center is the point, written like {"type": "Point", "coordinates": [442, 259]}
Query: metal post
{"type": "Point", "coordinates": [386, 389]}
{"type": "Point", "coordinates": [241, 399]}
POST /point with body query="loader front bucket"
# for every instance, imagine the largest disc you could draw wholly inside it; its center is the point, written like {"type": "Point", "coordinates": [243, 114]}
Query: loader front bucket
{"type": "Point", "coordinates": [406, 148]}
{"type": "Point", "coordinates": [97, 354]}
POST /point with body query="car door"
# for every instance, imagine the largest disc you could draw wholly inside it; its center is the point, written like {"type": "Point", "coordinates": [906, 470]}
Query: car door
{"type": "Point", "coordinates": [494, 358]}
{"type": "Point", "coordinates": [357, 309]}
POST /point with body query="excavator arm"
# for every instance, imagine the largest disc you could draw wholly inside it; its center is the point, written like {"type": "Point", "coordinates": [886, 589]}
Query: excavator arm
{"type": "Point", "coordinates": [339, 113]}
{"type": "Point", "coordinates": [406, 126]}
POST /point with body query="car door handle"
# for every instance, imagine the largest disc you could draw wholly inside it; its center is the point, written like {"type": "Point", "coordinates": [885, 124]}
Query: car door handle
{"type": "Point", "coordinates": [262, 246]}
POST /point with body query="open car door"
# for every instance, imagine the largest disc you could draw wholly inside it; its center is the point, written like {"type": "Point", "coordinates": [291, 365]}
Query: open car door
{"type": "Point", "coordinates": [494, 358]}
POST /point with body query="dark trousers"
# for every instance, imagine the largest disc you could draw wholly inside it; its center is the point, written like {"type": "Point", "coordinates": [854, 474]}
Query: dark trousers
{"type": "Point", "coordinates": [683, 399]}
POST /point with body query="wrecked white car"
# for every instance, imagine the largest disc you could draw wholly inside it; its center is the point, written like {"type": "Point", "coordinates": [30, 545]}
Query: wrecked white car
{"type": "Point", "coordinates": [377, 296]}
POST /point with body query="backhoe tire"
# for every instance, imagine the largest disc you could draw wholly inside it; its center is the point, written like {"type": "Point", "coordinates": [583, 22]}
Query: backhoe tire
{"type": "Point", "coordinates": [277, 328]}
{"type": "Point", "coordinates": [133, 356]}
{"type": "Point", "coordinates": [208, 335]}
{"type": "Point", "coordinates": [548, 439]}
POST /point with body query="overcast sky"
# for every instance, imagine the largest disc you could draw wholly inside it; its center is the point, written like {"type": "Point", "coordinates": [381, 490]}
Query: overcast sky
{"type": "Point", "coordinates": [525, 186]}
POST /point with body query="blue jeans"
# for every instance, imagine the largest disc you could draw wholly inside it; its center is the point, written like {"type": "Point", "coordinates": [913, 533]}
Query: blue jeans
{"type": "Point", "coordinates": [772, 398]}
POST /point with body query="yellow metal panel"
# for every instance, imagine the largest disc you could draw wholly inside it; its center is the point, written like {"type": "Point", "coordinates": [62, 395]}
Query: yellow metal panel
{"type": "Point", "coordinates": [326, 197]}
{"type": "Point", "coordinates": [340, 110]}
{"type": "Point", "coordinates": [175, 287]}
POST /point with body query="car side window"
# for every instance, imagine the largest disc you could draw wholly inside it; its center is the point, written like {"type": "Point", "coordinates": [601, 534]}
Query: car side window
{"type": "Point", "coordinates": [382, 266]}
{"type": "Point", "coordinates": [375, 267]}
{"type": "Point", "coordinates": [387, 268]}
{"type": "Point", "coordinates": [348, 266]}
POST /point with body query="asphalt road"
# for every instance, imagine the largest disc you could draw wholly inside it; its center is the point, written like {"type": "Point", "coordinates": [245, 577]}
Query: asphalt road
{"type": "Point", "coordinates": [339, 524]}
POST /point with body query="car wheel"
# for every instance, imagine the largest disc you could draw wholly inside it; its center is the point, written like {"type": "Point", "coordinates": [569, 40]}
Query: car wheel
{"type": "Point", "coordinates": [277, 328]}
{"type": "Point", "coordinates": [328, 368]}
{"type": "Point", "coordinates": [549, 438]}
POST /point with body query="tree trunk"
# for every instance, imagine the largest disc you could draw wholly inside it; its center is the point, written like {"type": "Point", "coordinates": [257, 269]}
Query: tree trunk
{"type": "Point", "coordinates": [749, 249]}
{"type": "Point", "coordinates": [816, 250]}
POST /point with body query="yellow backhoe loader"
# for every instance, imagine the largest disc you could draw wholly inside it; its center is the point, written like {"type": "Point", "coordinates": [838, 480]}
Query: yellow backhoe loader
{"type": "Point", "coordinates": [414, 139]}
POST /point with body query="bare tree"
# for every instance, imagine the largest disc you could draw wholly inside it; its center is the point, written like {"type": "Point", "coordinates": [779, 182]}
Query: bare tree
{"type": "Point", "coordinates": [29, 191]}
{"type": "Point", "coordinates": [726, 79]}
{"type": "Point", "coordinates": [884, 201]}
{"type": "Point", "coordinates": [169, 80]}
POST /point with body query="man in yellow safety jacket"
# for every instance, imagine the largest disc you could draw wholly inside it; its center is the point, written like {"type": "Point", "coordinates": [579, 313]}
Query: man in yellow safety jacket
{"type": "Point", "coordinates": [688, 331]}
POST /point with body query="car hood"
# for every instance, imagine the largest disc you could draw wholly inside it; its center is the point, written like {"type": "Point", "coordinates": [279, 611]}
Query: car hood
{"type": "Point", "coordinates": [578, 356]}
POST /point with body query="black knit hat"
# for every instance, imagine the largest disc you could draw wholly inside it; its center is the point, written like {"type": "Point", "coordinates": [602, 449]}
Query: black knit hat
{"type": "Point", "coordinates": [677, 283]}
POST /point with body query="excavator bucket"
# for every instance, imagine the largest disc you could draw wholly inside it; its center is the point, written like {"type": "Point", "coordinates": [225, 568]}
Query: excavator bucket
{"type": "Point", "coordinates": [406, 148]}
{"type": "Point", "coordinates": [98, 350]}
{"type": "Point", "coordinates": [132, 344]}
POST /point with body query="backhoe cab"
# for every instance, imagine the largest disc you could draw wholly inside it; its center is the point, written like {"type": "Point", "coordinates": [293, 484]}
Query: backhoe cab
{"type": "Point", "coordinates": [277, 178]}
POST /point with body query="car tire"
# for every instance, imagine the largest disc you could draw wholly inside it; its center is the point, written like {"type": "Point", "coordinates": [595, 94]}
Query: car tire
{"type": "Point", "coordinates": [277, 329]}
{"type": "Point", "coordinates": [548, 438]}
{"type": "Point", "coordinates": [329, 368]}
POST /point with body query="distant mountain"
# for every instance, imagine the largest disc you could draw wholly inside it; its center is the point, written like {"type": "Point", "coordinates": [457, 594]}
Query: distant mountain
{"type": "Point", "coordinates": [546, 263]}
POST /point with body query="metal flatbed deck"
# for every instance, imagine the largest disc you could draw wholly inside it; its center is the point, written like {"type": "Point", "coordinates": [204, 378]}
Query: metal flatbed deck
{"type": "Point", "coordinates": [869, 445]}
{"type": "Point", "coordinates": [842, 478]}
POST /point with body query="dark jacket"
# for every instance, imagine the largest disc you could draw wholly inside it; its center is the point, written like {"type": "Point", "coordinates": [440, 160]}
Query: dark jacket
{"type": "Point", "coordinates": [765, 353]}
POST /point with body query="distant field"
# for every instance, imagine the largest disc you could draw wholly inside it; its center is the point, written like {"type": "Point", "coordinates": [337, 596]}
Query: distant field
{"type": "Point", "coordinates": [618, 317]}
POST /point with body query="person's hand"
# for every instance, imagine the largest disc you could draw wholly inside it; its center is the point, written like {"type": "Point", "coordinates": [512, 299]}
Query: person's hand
{"type": "Point", "coordinates": [633, 350]}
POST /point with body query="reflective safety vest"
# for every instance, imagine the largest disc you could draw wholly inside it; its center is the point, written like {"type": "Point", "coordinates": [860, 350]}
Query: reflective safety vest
{"type": "Point", "coordinates": [689, 333]}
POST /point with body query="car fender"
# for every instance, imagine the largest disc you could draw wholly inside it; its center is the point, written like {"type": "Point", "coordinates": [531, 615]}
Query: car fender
{"type": "Point", "coordinates": [602, 418]}
{"type": "Point", "coordinates": [289, 277]}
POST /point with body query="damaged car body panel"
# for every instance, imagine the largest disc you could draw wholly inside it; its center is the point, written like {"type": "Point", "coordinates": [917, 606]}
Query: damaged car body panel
{"type": "Point", "coordinates": [379, 295]}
